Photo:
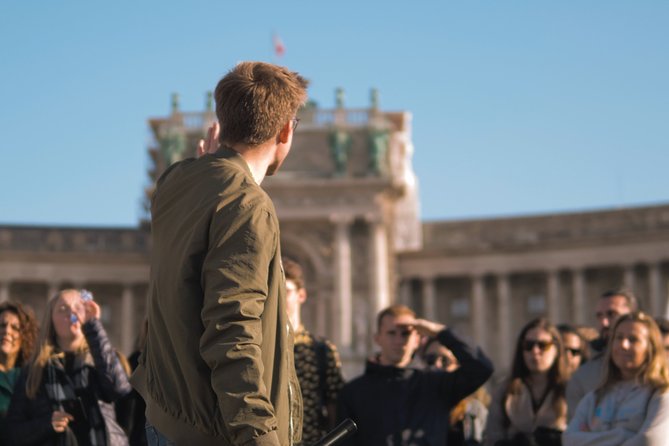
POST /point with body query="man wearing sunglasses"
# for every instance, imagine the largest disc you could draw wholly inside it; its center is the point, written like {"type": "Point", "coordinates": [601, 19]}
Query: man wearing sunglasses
{"type": "Point", "coordinates": [394, 403]}
{"type": "Point", "coordinates": [610, 306]}
{"type": "Point", "coordinates": [218, 364]}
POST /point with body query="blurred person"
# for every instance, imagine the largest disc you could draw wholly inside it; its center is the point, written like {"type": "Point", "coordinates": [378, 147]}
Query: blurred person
{"type": "Point", "coordinates": [65, 394]}
{"type": "Point", "coordinates": [575, 347]}
{"type": "Point", "coordinates": [217, 318]}
{"type": "Point", "coordinates": [663, 325]}
{"type": "Point", "coordinates": [529, 408]}
{"type": "Point", "coordinates": [18, 334]}
{"type": "Point", "coordinates": [631, 404]}
{"type": "Point", "coordinates": [394, 403]}
{"type": "Point", "coordinates": [467, 419]}
{"type": "Point", "coordinates": [130, 409]}
{"type": "Point", "coordinates": [317, 363]}
{"type": "Point", "coordinates": [588, 333]}
{"type": "Point", "coordinates": [610, 306]}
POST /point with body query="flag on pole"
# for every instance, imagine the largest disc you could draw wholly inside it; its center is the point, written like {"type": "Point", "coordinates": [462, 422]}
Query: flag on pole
{"type": "Point", "coordinates": [279, 48]}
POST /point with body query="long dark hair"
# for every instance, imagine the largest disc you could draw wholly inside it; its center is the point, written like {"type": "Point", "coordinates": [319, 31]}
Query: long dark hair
{"type": "Point", "coordinates": [557, 374]}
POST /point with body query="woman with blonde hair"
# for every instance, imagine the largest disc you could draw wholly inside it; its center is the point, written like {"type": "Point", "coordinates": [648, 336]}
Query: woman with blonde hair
{"type": "Point", "coordinates": [530, 407]}
{"type": "Point", "coordinates": [631, 405]}
{"type": "Point", "coordinates": [64, 396]}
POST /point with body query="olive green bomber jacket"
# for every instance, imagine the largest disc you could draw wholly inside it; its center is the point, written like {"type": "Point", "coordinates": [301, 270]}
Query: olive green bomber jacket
{"type": "Point", "coordinates": [218, 365]}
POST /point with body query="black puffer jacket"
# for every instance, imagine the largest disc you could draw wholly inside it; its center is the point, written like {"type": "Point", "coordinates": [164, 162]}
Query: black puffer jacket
{"type": "Point", "coordinates": [103, 380]}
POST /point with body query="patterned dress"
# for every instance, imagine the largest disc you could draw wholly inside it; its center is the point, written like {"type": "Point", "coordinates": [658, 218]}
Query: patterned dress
{"type": "Point", "coordinates": [319, 372]}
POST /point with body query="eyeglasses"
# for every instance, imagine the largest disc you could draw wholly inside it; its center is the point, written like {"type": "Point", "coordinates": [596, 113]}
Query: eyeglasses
{"type": "Point", "coordinates": [528, 345]}
{"type": "Point", "coordinates": [295, 122]}
{"type": "Point", "coordinates": [573, 351]}
{"type": "Point", "coordinates": [431, 359]}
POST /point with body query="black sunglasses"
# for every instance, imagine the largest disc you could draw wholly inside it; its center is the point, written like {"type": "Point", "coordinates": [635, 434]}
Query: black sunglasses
{"type": "Point", "coordinates": [431, 359]}
{"type": "Point", "coordinates": [573, 351]}
{"type": "Point", "coordinates": [528, 345]}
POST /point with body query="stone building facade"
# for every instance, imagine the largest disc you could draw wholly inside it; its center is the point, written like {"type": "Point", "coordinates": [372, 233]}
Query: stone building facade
{"type": "Point", "coordinates": [347, 200]}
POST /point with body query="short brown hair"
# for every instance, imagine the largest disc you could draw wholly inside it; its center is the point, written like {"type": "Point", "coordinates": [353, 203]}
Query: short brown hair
{"type": "Point", "coordinates": [255, 99]}
{"type": "Point", "coordinates": [625, 293]}
{"type": "Point", "coordinates": [293, 272]}
{"type": "Point", "coordinates": [394, 311]}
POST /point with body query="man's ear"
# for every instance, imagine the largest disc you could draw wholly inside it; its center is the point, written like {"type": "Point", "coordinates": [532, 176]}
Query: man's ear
{"type": "Point", "coordinates": [302, 295]}
{"type": "Point", "coordinates": [284, 134]}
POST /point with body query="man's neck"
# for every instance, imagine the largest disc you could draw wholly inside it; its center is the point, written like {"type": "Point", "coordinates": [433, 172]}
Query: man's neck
{"type": "Point", "coordinates": [400, 365]}
{"type": "Point", "coordinates": [258, 158]}
{"type": "Point", "coordinates": [295, 321]}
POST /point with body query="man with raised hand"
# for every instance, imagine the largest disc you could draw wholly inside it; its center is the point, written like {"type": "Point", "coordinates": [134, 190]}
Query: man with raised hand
{"type": "Point", "coordinates": [218, 364]}
{"type": "Point", "coordinates": [396, 404]}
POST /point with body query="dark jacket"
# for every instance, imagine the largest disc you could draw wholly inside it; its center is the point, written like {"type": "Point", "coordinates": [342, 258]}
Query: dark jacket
{"type": "Point", "coordinates": [103, 380]}
{"type": "Point", "coordinates": [218, 366]}
{"type": "Point", "coordinates": [397, 406]}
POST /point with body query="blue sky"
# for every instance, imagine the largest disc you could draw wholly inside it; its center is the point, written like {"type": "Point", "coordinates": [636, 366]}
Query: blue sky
{"type": "Point", "coordinates": [519, 107]}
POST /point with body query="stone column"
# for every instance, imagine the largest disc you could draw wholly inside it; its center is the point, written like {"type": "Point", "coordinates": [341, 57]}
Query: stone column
{"type": "Point", "coordinates": [343, 286]}
{"type": "Point", "coordinates": [553, 291]}
{"type": "Point", "coordinates": [4, 291]}
{"type": "Point", "coordinates": [380, 279]}
{"type": "Point", "coordinates": [504, 322]}
{"type": "Point", "coordinates": [578, 305]}
{"type": "Point", "coordinates": [129, 324]}
{"type": "Point", "coordinates": [478, 310]}
{"type": "Point", "coordinates": [405, 292]}
{"type": "Point", "coordinates": [629, 279]}
{"type": "Point", "coordinates": [655, 288]}
{"type": "Point", "coordinates": [429, 299]}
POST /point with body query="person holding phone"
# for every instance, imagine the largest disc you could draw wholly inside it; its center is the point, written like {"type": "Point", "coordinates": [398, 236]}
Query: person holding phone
{"type": "Point", "coordinates": [65, 395]}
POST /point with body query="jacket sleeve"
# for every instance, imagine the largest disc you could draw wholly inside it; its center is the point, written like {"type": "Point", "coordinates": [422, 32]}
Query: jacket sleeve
{"type": "Point", "coordinates": [494, 429]}
{"type": "Point", "coordinates": [334, 379]}
{"type": "Point", "coordinates": [655, 428]}
{"type": "Point", "coordinates": [475, 368]}
{"type": "Point", "coordinates": [578, 431]}
{"type": "Point", "coordinates": [242, 243]}
{"type": "Point", "coordinates": [574, 393]}
{"type": "Point", "coordinates": [111, 377]}
{"type": "Point", "coordinates": [28, 421]}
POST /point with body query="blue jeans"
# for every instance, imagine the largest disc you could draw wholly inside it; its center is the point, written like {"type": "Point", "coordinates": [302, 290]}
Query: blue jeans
{"type": "Point", "coordinates": [155, 438]}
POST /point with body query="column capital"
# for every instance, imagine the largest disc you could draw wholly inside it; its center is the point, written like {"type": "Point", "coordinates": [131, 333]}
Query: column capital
{"type": "Point", "coordinates": [341, 219]}
{"type": "Point", "coordinates": [373, 218]}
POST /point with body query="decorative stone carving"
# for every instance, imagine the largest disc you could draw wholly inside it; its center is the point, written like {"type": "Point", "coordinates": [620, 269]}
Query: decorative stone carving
{"type": "Point", "coordinates": [340, 149]}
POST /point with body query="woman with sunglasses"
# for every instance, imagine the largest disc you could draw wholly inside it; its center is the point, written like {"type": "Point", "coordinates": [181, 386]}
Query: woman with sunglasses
{"type": "Point", "coordinates": [64, 396]}
{"type": "Point", "coordinates": [530, 407]}
{"type": "Point", "coordinates": [631, 405]}
{"type": "Point", "coordinates": [575, 347]}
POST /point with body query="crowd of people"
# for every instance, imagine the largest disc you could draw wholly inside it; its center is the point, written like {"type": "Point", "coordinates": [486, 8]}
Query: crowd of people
{"type": "Point", "coordinates": [225, 358]}
{"type": "Point", "coordinates": [64, 384]}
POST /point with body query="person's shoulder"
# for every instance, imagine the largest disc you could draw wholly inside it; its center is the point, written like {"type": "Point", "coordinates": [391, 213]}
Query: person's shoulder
{"type": "Point", "coordinates": [324, 343]}
{"type": "Point", "coordinates": [593, 366]}
{"type": "Point", "coordinates": [353, 386]}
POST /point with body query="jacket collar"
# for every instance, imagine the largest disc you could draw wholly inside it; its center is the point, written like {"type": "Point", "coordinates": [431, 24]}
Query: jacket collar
{"type": "Point", "coordinates": [375, 369]}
